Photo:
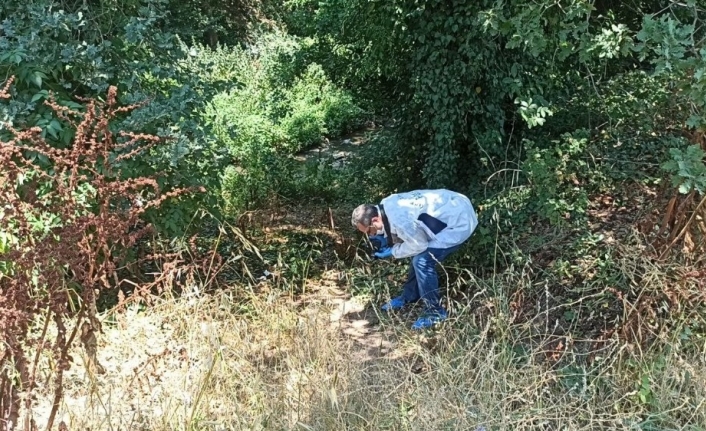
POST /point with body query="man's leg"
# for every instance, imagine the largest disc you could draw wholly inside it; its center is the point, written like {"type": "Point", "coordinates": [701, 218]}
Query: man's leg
{"type": "Point", "coordinates": [410, 292]}
{"type": "Point", "coordinates": [424, 265]}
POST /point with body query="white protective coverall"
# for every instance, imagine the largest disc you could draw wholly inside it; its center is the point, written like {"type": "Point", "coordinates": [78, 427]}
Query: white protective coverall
{"type": "Point", "coordinates": [412, 236]}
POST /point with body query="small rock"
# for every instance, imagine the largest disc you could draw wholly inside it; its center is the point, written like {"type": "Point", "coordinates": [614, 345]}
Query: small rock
{"type": "Point", "coordinates": [346, 142]}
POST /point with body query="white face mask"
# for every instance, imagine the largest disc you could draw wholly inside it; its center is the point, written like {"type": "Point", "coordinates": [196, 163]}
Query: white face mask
{"type": "Point", "coordinates": [380, 232]}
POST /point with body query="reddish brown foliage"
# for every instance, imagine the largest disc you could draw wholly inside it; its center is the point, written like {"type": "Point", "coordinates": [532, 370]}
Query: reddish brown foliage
{"type": "Point", "coordinates": [55, 273]}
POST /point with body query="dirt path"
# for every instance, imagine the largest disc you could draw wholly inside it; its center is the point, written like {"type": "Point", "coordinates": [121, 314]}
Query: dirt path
{"type": "Point", "coordinates": [340, 149]}
{"type": "Point", "coordinates": [355, 319]}
{"type": "Point", "coordinates": [376, 334]}
{"type": "Point", "coordinates": [360, 323]}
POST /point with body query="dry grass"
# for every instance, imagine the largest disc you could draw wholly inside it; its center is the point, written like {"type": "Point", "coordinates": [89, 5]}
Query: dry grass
{"type": "Point", "coordinates": [267, 359]}
{"type": "Point", "coordinates": [253, 362]}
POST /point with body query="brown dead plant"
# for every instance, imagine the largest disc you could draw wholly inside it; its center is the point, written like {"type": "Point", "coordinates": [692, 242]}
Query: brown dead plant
{"type": "Point", "coordinates": [70, 215]}
{"type": "Point", "coordinates": [681, 223]}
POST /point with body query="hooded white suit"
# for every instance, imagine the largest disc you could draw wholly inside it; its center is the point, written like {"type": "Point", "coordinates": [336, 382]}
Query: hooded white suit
{"type": "Point", "coordinates": [423, 219]}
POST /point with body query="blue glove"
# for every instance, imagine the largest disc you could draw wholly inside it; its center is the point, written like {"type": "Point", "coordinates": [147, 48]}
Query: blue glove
{"type": "Point", "coordinates": [384, 253]}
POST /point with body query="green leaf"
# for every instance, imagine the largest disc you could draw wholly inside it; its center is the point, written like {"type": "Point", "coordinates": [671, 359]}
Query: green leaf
{"type": "Point", "coordinates": [40, 95]}
{"type": "Point", "coordinates": [694, 121]}
{"type": "Point", "coordinates": [53, 128]}
{"type": "Point", "coordinates": [36, 79]}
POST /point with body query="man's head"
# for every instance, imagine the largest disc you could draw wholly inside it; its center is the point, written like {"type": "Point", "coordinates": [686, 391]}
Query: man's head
{"type": "Point", "coordinates": [366, 219]}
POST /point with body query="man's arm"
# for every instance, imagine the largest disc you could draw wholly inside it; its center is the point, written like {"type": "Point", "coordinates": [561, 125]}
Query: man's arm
{"type": "Point", "coordinates": [415, 240]}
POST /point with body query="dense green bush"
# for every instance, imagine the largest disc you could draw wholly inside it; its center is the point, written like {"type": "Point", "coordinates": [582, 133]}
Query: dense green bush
{"type": "Point", "coordinates": [561, 177]}
{"type": "Point", "coordinates": [274, 112]}
{"type": "Point", "coordinates": [74, 50]}
{"type": "Point", "coordinates": [316, 108]}
{"type": "Point", "coordinates": [472, 80]}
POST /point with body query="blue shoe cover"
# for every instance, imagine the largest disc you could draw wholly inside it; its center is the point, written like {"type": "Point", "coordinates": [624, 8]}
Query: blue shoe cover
{"type": "Point", "coordinates": [430, 319]}
{"type": "Point", "coordinates": [394, 304]}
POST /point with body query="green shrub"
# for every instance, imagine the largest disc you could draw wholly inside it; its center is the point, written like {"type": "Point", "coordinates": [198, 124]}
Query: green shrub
{"type": "Point", "coordinates": [333, 107]}
{"type": "Point", "coordinates": [561, 176]}
{"type": "Point", "coordinates": [686, 166]}
{"type": "Point", "coordinates": [82, 48]}
{"type": "Point", "coordinates": [247, 186]}
{"type": "Point", "coordinates": [318, 180]}
{"type": "Point", "coordinates": [253, 141]}
{"type": "Point", "coordinates": [387, 163]}
{"type": "Point", "coordinates": [304, 127]}
{"type": "Point", "coordinates": [275, 111]}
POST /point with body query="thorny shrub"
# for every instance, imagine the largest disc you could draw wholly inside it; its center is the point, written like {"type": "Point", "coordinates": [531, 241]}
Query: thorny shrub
{"type": "Point", "coordinates": [69, 216]}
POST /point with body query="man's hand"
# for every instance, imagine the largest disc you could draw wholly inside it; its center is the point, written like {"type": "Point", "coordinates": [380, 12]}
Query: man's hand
{"type": "Point", "coordinates": [384, 253]}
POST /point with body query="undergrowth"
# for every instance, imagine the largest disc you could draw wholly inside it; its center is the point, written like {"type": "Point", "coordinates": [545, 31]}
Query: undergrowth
{"type": "Point", "coordinates": [610, 343]}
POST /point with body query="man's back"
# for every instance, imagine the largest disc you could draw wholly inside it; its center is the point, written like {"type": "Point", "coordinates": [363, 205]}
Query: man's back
{"type": "Point", "coordinates": [445, 217]}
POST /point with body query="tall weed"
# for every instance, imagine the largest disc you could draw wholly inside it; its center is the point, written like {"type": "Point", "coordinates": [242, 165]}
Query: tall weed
{"type": "Point", "coordinates": [67, 219]}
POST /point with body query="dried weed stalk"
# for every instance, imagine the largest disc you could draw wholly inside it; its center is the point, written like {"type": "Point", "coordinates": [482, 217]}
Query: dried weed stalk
{"type": "Point", "coordinates": [69, 217]}
{"type": "Point", "coordinates": [180, 267]}
{"type": "Point", "coordinates": [678, 225]}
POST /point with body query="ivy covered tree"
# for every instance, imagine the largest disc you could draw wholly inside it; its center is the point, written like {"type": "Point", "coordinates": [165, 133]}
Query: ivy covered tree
{"type": "Point", "coordinates": [468, 80]}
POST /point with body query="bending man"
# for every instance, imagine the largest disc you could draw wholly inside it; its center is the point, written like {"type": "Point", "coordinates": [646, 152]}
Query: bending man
{"type": "Point", "coordinates": [427, 225]}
